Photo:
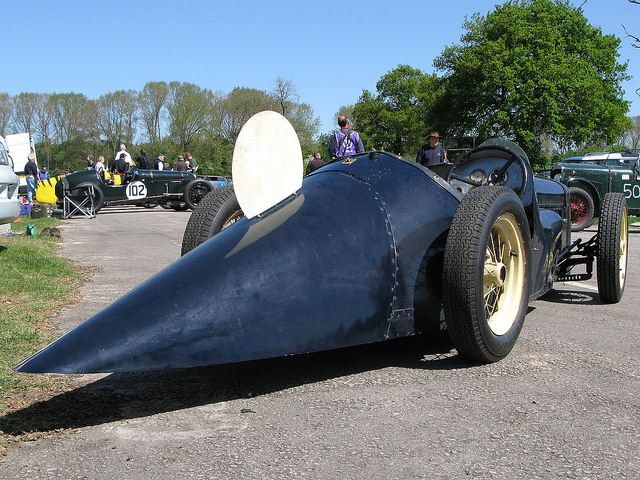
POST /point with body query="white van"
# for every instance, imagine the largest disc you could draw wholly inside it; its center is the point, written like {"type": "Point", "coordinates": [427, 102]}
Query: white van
{"type": "Point", "coordinates": [9, 183]}
{"type": "Point", "coordinates": [19, 146]}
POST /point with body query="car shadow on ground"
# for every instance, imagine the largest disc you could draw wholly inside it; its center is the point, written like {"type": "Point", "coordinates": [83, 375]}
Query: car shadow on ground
{"type": "Point", "coordinates": [134, 395]}
{"type": "Point", "coordinates": [571, 296]}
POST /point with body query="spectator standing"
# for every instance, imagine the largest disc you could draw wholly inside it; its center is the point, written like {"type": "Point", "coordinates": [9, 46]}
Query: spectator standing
{"type": "Point", "coordinates": [127, 157]}
{"type": "Point", "coordinates": [315, 163]}
{"type": "Point", "coordinates": [90, 164]}
{"type": "Point", "coordinates": [44, 173]}
{"type": "Point", "coordinates": [431, 153]}
{"type": "Point", "coordinates": [100, 166]}
{"type": "Point", "coordinates": [159, 163]}
{"type": "Point", "coordinates": [193, 164]}
{"type": "Point", "coordinates": [32, 177]}
{"type": "Point", "coordinates": [345, 141]}
{"type": "Point", "coordinates": [166, 166]}
{"type": "Point", "coordinates": [180, 165]}
{"type": "Point", "coordinates": [143, 161]}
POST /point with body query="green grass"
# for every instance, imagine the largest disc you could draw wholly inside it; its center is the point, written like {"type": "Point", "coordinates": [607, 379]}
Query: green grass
{"type": "Point", "coordinates": [34, 284]}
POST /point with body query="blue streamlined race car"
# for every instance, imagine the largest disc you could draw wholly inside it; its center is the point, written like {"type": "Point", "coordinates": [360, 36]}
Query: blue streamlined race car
{"type": "Point", "coordinates": [369, 248]}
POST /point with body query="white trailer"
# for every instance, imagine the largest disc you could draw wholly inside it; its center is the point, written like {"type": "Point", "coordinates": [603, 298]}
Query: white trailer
{"type": "Point", "coordinates": [20, 146]}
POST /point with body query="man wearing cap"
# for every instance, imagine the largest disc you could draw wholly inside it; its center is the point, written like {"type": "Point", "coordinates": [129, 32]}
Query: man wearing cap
{"type": "Point", "coordinates": [180, 165]}
{"type": "Point", "coordinates": [127, 157]}
{"type": "Point", "coordinates": [431, 153]}
{"type": "Point", "coordinates": [44, 173]}
{"type": "Point", "coordinates": [121, 165]}
{"type": "Point", "coordinates": [32, 177]}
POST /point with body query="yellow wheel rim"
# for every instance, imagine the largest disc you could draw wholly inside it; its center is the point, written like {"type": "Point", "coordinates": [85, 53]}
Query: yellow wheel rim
{"type": "Point", "coordinates": [504, 270]}
{"type": "Point", "coordinates": [624, 236]}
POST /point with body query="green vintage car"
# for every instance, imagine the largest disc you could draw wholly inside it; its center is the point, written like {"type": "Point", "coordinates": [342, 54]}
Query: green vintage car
{"type": "Point", "coordinates": [148, 188]}
{"type": "Point", "coordinates": [589, 182]}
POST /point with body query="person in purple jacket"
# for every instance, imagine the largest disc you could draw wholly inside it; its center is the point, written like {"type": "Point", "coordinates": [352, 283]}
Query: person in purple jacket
{"type": "Point", "coordinates": [345, 141]}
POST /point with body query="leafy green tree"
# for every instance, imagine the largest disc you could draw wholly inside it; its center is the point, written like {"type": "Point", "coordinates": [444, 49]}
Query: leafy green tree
{"type": "Point", "coordinates": [116, 117]}
{"type": "Point", "coordinates": [632, 136]}
{"type": "Point", "coordinates": [190, 109]}
{"type": "Point", "coordinates": [153, 99]}
{"type": "Point", "coordinates": [237, 107]}
{"type": "Point", "coordinates": [70, 116]}
{"type": "Point", "coordinates": [394, 118]}
{"type": "Point", "coordinates": [24, 106]}
{"type": "Point", "coordinates": [6, 112]}
{"type": "Point", "coordinates": [532, 68]}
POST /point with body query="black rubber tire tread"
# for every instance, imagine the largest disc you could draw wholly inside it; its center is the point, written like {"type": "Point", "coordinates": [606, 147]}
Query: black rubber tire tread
{"type": "Point", "coordinates": [191, 196]}
{"type": "Point", "coordinates": [463, 270]}
{"type": "Point", "coordinates": [588, 221]}
{"type": "Point", "coordinates": [209, 217]}
{"type": "Point", "coordinates": [98, 201]}
{"type": "Point", "coordinates": [610, 287]}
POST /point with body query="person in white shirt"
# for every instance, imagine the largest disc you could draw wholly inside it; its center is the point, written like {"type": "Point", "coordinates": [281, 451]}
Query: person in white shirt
{"type": "Point", "coordinates": [100, 166]}
{"type": "Point", "coordinates": [127, 157]}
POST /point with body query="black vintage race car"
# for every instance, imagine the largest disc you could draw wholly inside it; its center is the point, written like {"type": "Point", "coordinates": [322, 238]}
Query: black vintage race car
{"type": "Point", "coordinates": [368, 248]}
{"type": "Point", "coordinates": [149, 188]}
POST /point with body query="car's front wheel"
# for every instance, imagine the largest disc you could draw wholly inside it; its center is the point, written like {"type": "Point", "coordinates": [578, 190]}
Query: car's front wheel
{"type": "Point", "coordinates": [581, 209]}
{"type": "Point", "coordinates": [613, 243]}
{"type": "Point", "coordinates": [217, 211]}
{"type": "Point", "coordinates": [486, 267]}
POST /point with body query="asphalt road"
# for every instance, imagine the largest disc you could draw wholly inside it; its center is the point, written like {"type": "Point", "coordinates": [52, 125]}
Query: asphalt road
{"type": "Point", "coordinates": [564, 404]}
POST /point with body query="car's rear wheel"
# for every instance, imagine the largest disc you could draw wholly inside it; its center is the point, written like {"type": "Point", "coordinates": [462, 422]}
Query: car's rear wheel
{"type": "Point", "coordinates": [613, 242]}
{"type": "Point", "coordinates": [486, 269]}
{"type": "Point", "coordinates": [217, 211]}
{"type": "Point", "coordinates": [195, 191]}
{"type": "Point", "coordinates": [82, 190]}
{"type": "Point", "coordinates": [581, 209]}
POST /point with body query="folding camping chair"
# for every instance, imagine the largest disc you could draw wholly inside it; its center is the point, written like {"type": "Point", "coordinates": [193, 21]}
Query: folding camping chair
{"type": "Point", "coordinates": [81, 202]}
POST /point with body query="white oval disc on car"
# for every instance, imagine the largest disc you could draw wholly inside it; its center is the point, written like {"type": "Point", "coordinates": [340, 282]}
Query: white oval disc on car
{"type": "Point", "coordinates": [136, 190]}
{"type": "Point", "coordinates": [267, 162]}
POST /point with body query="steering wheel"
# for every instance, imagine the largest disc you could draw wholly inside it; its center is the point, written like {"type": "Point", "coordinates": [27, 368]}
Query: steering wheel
{"type": "Point", "coordinates": [496, 176]}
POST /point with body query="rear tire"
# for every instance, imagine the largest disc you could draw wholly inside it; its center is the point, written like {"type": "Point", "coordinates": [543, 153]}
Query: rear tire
{"type": "Point", "coordinates": [581, 209]}
{"type": "Point", "coordinates": [613, 236]}
{"type": "Point", "coordinates": [195, 191]}
{"type": "Point", "coordinates": [486, 271]}
{"type": "Point", "coordinates": [81, 190]}
{"type": "Point", "coordinates": [217, 211]}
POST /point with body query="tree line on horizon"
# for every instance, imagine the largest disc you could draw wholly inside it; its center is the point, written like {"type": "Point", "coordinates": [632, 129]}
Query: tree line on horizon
{"type": "Point", "coordinates": [168, 118]}
{"type": "Point", "coordinates": [532, 71]}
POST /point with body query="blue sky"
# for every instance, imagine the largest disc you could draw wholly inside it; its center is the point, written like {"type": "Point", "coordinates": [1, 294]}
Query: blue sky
{"type": "Point", "coordinates": [330, 50]}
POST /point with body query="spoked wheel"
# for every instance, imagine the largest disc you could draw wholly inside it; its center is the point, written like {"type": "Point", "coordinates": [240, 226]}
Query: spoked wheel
{"type": "Point", "coordinates": [195, 191]}
{"type": "Point", "coordinates": [581, 209]}
{"type": "Point", "coordinates": [613, 243]}
{"type": "Point", "coordinates": [217, 211]}
{"type": "Point", "coordinates": [486, 273]}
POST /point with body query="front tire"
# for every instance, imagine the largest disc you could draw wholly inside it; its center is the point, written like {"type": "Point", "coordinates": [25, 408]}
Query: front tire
{"type": "Point", "coordinates": [581, 209]}
{"type": "Point", "coordinates": [613, 242]}
{"type": "Point", "coordinates": [486, 273]}
{"type": "Point", "coordinates": [217, 211]}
